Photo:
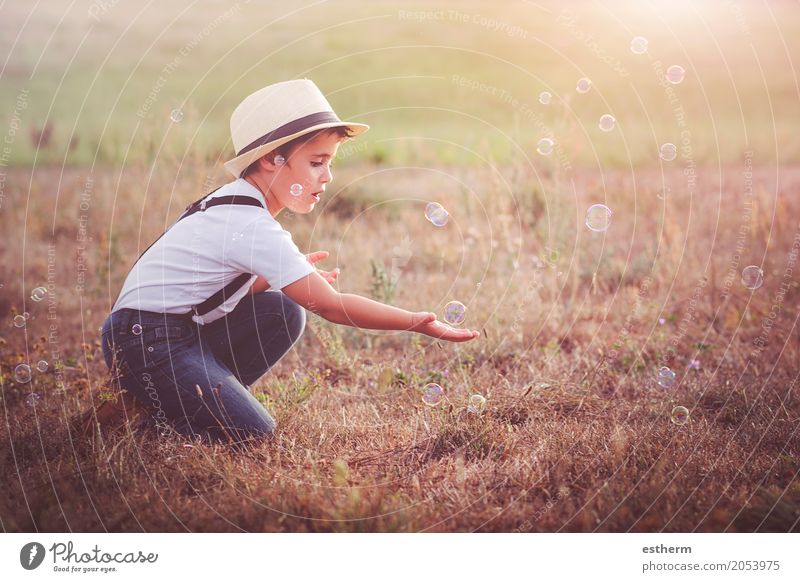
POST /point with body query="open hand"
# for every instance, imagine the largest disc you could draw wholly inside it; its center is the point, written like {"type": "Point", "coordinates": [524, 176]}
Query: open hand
{"type": "Point", "coordinates": [313, 258]}
{"type": "Point", "coordinates": [425, 322]}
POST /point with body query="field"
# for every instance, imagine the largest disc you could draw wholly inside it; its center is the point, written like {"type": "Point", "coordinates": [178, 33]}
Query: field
{"type": "Point", "coordinates": [577, 434]}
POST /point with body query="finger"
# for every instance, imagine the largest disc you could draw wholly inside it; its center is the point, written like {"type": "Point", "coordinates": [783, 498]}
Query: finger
{"type": "Point", "coordinates": [317, 256]}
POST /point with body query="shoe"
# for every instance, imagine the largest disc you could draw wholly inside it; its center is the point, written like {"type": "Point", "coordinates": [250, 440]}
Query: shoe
{"type": "Point", "coordinates": [110, 415]}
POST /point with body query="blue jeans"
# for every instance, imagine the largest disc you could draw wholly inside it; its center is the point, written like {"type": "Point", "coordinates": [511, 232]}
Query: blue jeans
{"type": "Point", "coordinates": [196, 378]}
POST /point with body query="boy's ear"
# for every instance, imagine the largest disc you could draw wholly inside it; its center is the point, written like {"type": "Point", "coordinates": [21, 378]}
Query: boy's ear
{"type": "Point", "coordinates": [265, 163]}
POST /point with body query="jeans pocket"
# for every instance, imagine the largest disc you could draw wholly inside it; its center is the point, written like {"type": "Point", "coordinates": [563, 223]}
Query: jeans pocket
{"type": "Point", "coordinates": [153, 347]}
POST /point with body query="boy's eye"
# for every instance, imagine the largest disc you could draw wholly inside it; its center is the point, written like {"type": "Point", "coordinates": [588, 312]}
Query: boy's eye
{"type": "Point", "coordinates": [318, 164]}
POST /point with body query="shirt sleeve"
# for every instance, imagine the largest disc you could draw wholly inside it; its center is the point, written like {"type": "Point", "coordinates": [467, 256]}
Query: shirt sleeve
{"type": "Point", "coordinates": [266, 249]}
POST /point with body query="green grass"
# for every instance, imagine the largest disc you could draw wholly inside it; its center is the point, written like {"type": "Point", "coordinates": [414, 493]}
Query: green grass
{"type": "Point", "coordinates": [397, 75]}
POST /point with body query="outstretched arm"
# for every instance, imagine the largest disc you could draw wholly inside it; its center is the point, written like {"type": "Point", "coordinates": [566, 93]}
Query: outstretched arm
{"type": "Point", "coordinates": [315, 294]}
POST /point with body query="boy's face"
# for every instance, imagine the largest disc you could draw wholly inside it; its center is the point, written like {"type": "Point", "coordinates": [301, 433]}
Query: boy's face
{"type": "Point", "coordinates": [309, 165]}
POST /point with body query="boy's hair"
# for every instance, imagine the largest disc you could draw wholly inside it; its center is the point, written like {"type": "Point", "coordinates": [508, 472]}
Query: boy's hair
{"type": "Point", "coordinates": [286, 149]}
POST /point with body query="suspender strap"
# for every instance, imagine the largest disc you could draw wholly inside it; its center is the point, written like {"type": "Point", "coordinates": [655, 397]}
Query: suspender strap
{"type": "Point", "coordinates": [202, 205]}
{"type": "Point", "coordinates": [231, 288]}
{"type": "Point", "coordinates": [220, 296]}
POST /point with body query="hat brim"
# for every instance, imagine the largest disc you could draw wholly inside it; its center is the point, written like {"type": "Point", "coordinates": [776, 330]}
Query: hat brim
{"type": "Point", "coordinates": [238, 164]}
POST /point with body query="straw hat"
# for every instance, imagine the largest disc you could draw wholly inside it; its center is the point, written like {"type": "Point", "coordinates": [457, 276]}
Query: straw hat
{"type": "Point", "coordinates": [276, 114]}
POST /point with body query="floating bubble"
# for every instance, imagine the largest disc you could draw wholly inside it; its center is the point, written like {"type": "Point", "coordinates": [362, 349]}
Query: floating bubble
{"type": "Point", "coordinates": [33, 399]}
{"type": "Point", "coordinates": [136, 329]}
{"type": "Point", "coordinates": [477, 404]}
{"type": "Point", "coordinates": [42, 366]}
{"type": "Point", "coordinates": [432, 394]}
{"type": "Point", "coordinates": [176, 115]}
{"type": "Point", "coordinates": [22, 373]}
{"type": "Point", "coordinates": [296, 189]}
{"type": "Point", "coordinates": [598, 217]}
{"type": "Point", "coordinates": [680, 415]}
{"type": "Point", "coordinates": [607, 122]}
{"type": "Point", "coordinates": [752, 277]}
{"type": "Point", "coordinates": [149, 348]}
{"type": "Point", "coordinates": [675, 74]}
{"type": "Point", "coordinates": [668, 152]}
{"type": "Point", "coordinates": [583, 86]}
{"type": "Point", "coordinates": [26, 315]}
{"type": "Point", "coordinates": [19, 321]}
{"type": "Point", "coordinates": [455, 312]}
{"type": "Point", "coordinates": [639, 45]}
{"type": "Point", "coordinates": [436, 213]}
{"type": "Point", "coordinates": [545, 98]}
{"type": "Point", "coordinates": [694, 364]}
{"type": "Point", "coordinates": [545, 146]}
{"type": "Point", "coordinates": [279, 160]}
{"type": "Point", "coordinates": [666, 377]}
{"type": "Point", "coordinates": [38, 294]}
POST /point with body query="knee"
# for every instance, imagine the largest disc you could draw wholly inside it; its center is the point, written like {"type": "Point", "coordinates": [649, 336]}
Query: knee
{"type": "Point", "coordinates": [295, 317]}
{"type": "Point", "coordinates": [274, 304]}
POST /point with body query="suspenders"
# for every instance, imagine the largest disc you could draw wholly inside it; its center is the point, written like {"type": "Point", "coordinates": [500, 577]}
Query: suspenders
{"type": "Point", "coordinates": [231, 288]}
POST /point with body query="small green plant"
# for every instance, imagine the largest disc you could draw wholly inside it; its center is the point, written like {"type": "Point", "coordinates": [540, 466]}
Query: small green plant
{"type": "Point", "coordinates": [383, 287]}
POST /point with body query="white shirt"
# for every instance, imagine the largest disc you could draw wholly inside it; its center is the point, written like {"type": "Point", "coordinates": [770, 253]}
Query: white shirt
{"type": "Point", "coordinates": [202, 253]}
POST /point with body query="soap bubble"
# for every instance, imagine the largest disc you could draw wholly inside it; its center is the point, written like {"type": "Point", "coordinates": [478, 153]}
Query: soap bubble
{"type": "Point", "coordinates": [477, 404]}
{"type": "Point", "coordinates": [639, 45]}
{"type": "Point", "coordinates": [26, 315]}
{"type": "Point", "coordinates": [545, 146]}
{"type": "Point", "coordinates": [432, 394]}
{"type": "Point", "coordinates": [455, 312]}
{"type": "Point", "coordinates": [436, 213]}
{"type": "Point", "coordinates": [545, 97]}
{"type": "Point", "coordinates": [675, 74]}
{"type": "Point", "coordinates": [279, 160]}
{"type": "Point", "coordinates": [607, 122]}
{"type": "Point", "coordinates": [136, 329]}
{"type": "Point", "coordinates": [668, 152]}
{"type": "Point", "coordinates": [296, 189]}
{"type": "Point", "coordinates": [680, 415]}
{"type": "Point", "coordinates": [583, 86]}
{"type": "Point", "coordinates": [33, 399]}
{"type": "Point", "coordinates": [666, 377]}
{"type": "Point", "coordinates": [38, 294]}
{"type": "Point", "coordinates": [19, 321]}
{"type": "Point", "coordinates": [752, 277]}
{"type": "Point", "coordinates": [42, 366]}
{"type": "Point", "coordinates": [22, 373]}
{"type": "Point", "coordinates": [598, 217]}
{"type": "Point", "coordinates": [176, 115]}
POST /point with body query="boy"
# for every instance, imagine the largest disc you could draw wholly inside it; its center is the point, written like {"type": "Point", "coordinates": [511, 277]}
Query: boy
{"type": "Point", "coordinates": [221, 296]}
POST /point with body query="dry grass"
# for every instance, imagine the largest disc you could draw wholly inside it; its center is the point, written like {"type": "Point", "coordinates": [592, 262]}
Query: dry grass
{"type": "Point", "coordinates": [576, 435]}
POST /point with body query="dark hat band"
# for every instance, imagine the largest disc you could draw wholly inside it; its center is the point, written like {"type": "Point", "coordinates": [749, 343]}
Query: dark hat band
{"type": "Point", "coordinates": [291, 128]}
